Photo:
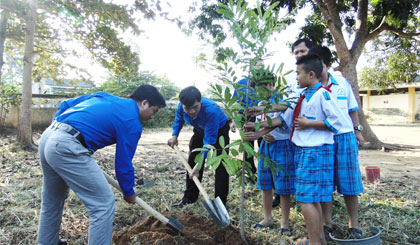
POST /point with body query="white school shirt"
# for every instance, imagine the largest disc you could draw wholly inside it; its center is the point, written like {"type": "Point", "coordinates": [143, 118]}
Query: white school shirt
{"type": "Point", "coordinates": [283, 132]}
{"type": "Point", "coordinates": [319, 106]}
{"type": "Point", "coordinates": [342, 91]}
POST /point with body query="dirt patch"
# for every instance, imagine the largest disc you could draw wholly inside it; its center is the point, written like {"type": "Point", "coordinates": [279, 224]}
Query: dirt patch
{"type": "Point", "coordinates": [198, 230]}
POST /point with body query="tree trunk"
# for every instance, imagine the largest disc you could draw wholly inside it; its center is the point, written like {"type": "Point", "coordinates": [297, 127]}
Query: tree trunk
{"type": "Point", "coordinates": [349, 71]}
{"type": "Point", "coordinates": [3, 26]}
{"type": "Point", "coordinates": [24, 133]}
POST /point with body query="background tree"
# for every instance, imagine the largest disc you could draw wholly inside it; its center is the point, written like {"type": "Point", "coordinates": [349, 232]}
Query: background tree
{"type": "Point", "coordinates": [396, 60]}
{"type": "Point", "coordinates": [96, 25]}
{"type": "Point", "coordinates": [118, 86]}
{"type": "Point", "coordinates": [362, 20]}
{"type": "Point", "coordinates": [24, 133]}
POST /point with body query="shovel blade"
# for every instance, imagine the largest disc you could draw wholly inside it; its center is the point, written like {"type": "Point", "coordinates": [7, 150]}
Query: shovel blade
{"type": "Point", "coordinates": [217, 211]}
{"type": "Point", "coordinates": [174, 224]}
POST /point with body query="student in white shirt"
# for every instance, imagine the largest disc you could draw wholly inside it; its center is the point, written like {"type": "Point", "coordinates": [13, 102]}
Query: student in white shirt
{"type": "Point", "coordinates": [316, 120]}
{"type": "Point", "coordinates": [347, 175]}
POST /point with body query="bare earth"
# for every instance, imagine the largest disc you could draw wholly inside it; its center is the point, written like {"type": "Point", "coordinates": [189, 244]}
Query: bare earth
{"type": "Point", "coordinates": [394, 164]}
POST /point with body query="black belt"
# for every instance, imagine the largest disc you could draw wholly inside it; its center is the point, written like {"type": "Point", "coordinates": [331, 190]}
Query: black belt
{"type": "Point", "coordinates": [79, 137]}
{"type": "Point", "coordinates": [72, 132]}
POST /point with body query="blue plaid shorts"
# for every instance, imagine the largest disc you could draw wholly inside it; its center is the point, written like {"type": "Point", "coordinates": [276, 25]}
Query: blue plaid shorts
{"type": "Point", "coordinates": [280, 171]}
{"type": "Point", "coordinates": [347, 176]}
{"type": "Point", "coordinates": [314, 173]}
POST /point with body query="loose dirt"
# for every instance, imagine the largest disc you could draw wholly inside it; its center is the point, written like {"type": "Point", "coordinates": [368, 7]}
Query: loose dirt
{"type": "Point", "coordinates": [198, 230]}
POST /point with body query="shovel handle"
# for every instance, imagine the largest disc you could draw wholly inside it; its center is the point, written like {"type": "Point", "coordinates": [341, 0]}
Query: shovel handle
{"type": "Point", "coordinates": [139, 201]}
{"type": "Point", "coordinates": [195, 179]}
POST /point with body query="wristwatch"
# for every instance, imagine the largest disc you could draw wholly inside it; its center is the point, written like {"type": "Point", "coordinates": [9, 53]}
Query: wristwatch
{"type": "Point", "coordinates": [358, 127]}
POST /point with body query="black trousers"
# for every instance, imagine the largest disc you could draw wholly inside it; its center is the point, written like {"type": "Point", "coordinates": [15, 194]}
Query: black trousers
{"type": "Point", "coordinates": [222, 177]}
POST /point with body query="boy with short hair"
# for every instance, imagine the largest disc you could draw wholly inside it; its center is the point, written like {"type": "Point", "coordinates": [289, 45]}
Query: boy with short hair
{"type": "Point", "coordinates": [279, 175]}
{"type": "Point", "coordinates": [347, 176]}
{"type": "Point", "coordinates": [316, 119]}
{"type": "Point", "coordinates": [209, 124]}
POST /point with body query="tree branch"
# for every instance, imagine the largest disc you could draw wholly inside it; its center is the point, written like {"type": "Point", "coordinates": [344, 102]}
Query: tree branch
{"type": "Point", "coordinates": [400, 32]}
{"type": "Point", "coordinates": [381, 27]}
{"type": "Point", "coordinates": [361, 29]}
{"type": "Point", "coordinates": [385, 27]}
{"type": "Point", "coordinates": [330, 12]}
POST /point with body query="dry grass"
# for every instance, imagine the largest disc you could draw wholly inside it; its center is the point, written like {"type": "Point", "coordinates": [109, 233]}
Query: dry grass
{"type": "Point", "coordinates": [392, 205]}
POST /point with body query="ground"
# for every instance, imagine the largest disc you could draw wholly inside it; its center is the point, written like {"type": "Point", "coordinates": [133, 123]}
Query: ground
{"type": "Point", "coordinates": [395, 165]}
{"type": "Point", "coordinates": [392, 204]}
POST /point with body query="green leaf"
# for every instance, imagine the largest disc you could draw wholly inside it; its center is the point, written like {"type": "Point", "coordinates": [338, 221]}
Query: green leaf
{"type": "Point", "coordinates": [269, 121]}
{"type": "Point", "coordinates": [234, 152]}
{"type": "Point", "coordinates": [235, 143]}
{"type": "Point", "coordinates": [248, 148]}
{"type": "Point", "coordinates": [222, 141]}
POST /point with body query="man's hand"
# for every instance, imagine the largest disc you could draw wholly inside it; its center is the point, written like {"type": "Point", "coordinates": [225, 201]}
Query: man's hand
{"type": "Point", "coordinates": [130, 199]}
{"type": "Point", "coordinates": [254, 111]}
{"type": "Point", "coordinates": [173, 141]}
{"type": "Point", "coordinates": [250, 136]}
{"type": "Point", "coordinates": [268, 138]}
{"type": "Point", "coordinates": [249, 126]}
{"type": "Point", "coordinates": [302, 123]}
{"type": "Point", "coordinates": [194, 172]}
{"type": "Point", "coordinates": [359, 138]}
{"type": "Point", "coordinates": [233, 127]}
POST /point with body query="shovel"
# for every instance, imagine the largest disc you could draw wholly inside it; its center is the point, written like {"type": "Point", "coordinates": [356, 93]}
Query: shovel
{"type": "Point", "coordinates": [216, 209]}
{"type": "Point", "coordinates": [171, 221]}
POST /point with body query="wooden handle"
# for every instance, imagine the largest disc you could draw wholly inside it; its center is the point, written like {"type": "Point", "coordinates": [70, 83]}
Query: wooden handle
{"type": "Point", "coordinates": [139, 201]}
{"type": "Point", "coordinates": [196, 181]}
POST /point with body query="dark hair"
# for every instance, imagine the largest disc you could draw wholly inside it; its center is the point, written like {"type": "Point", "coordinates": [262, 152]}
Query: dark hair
{"type": "Point", "coordinates": [323, 52]}
{"type": "Point", "coordinates": [308, 43]}
{"type": "Point", "coordinates": [311, 62]}
{"type": "Point", "coordinates": [149, 93]}
{"type": "Point", "coordinates": [189, 95]}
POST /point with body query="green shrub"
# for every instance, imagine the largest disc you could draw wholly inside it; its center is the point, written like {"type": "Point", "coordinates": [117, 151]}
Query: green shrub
{"type": "Point", "coordinates": [164, 118]}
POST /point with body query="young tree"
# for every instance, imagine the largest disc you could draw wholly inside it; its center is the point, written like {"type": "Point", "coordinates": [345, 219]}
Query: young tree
{"type": "Point", "coordinates": [252, 29]}
{"type": "Point", "coordinates": [362, 19]}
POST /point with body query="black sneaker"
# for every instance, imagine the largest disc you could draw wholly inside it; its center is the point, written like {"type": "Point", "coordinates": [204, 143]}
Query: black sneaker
{"type": "Point", "coordinates": [276, 201]}
{"type": "Point", "coordinates": [327, 231]}
{"type": "Point", "coordinates": [355, 233]}
{"type": "Point", "coordinates": [63, 241]}
{"type": "Point", "coordinates": [181, 203]}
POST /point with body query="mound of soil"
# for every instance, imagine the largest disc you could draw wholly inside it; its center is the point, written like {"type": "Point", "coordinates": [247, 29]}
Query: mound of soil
{"type": "Point", "coordinates": [198, 230]}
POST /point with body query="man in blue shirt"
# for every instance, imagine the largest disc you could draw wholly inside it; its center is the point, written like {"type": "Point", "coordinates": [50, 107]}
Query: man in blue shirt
{"type": "Point", "coordinates": [80, 127]}
{"type": "Point", "coordinates": [209, 124]}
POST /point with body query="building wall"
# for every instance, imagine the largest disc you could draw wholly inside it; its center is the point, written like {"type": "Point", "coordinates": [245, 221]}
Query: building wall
{"type": "Point", "coordinates": [41, 117]}
{"type": "Point", "coordinates": [390, 101]}
{"type": "Point", "coordinates": [392, 104]}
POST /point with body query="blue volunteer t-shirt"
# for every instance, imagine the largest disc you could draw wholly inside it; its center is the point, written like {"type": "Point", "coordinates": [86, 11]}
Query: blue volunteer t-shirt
{"type": "Point", "coordinates": [240, 92]}
{"type": "Point", "coordinates": [103, 120]}
{"type": "Point", "coordinates": [208, 122]}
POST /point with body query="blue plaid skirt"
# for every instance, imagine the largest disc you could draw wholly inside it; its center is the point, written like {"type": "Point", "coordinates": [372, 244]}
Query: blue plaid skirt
{"type": "Point", "coordinates": [347, 176]}
{"type": "Point", "coordinates": [314, 173]}
{"type": "Point", "coordinates": [279, 171]}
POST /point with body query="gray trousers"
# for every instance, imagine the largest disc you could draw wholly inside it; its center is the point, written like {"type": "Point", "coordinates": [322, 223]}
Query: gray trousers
{"type": "Point", "coordinates": [66, 163]}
